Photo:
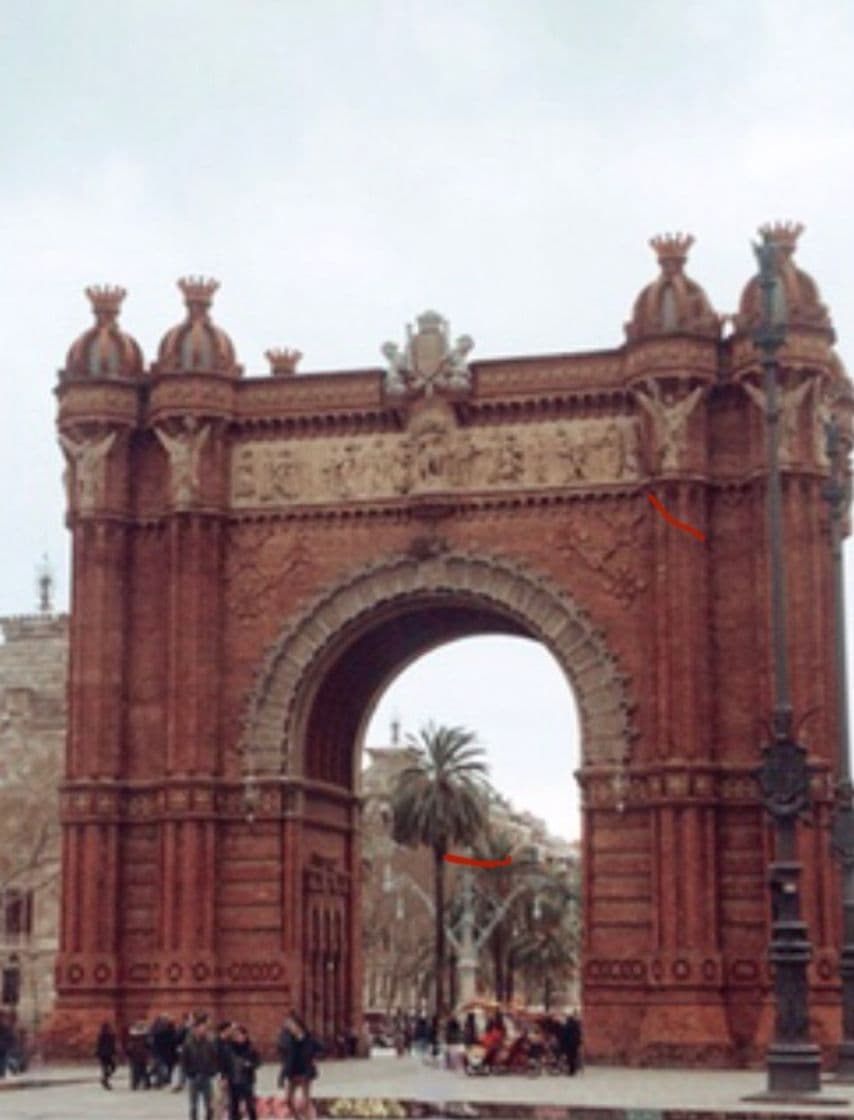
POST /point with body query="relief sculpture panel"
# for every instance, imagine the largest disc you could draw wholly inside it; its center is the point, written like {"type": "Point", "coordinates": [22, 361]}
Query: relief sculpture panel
{"type": "Point", "coordinates": [434, 456]}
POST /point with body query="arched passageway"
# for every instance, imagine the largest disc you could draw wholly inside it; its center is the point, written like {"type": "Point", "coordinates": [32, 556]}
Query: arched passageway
{"type": "Point", "coordinates": [513, 932]}
{"type": "Point", "coordinates": [325, 675]}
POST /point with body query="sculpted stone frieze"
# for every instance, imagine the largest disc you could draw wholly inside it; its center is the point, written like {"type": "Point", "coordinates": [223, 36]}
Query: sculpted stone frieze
{"type": "Point", "coordinates": [434, 456]}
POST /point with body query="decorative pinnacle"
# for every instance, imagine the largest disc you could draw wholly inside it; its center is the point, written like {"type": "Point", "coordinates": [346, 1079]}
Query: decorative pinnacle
{"type": "Point", "coordinates": [283, 362]}
{"type": "Point", "coordinates": [198, 292]}
{"type": "Point", "coordinates": [429, 319]}
{"type": "Point", "coordinates": [672, 250]}
{"type": "Point", "coordinates": [783, 234]}
{"type": "Point", "coordinates": [106, 301]}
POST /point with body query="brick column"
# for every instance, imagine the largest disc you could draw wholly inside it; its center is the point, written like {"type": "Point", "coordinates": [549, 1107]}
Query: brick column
{"type": "Point", "coordinates": [193, 753]}
{"type": "Point", "coordinates": [88, 967]}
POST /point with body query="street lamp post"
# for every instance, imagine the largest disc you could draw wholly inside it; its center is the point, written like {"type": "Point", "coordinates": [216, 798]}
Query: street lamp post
{"type": "Point", "coordinates": [793, 1060]}
{"type": "Point", "coordinates": [836, 494]}
{"type": "Point", "coordinates": [469, 947]}
{"type": "Point", "coordinates": [472, 942]}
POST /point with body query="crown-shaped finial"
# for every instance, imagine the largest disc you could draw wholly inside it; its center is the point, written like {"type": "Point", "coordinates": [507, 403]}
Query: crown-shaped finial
{"type": "Point", "coordinates": [106, 301]}
{"type": "Point", "coordinates": [198, 292]}
{"type": "Point", "coordinates": [671, 249]}
{"type": "Point", "coordinates": [783, 234]}
{"type": "Point", "coordinates": [283, 362]}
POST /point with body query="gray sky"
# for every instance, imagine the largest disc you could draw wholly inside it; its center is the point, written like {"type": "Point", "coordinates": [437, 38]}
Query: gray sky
{"type": "Point", "coordinates": [341, 166]}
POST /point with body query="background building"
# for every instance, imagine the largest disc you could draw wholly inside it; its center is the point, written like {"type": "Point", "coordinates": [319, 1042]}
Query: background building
{"type": "Point", "coordinates": [33, 665]}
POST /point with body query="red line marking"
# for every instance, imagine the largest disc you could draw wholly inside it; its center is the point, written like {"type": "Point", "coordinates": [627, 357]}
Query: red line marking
{"type": "Point", "coordinates": [698, 533]}
{"type": "Point", "coordinates": [478, 862]}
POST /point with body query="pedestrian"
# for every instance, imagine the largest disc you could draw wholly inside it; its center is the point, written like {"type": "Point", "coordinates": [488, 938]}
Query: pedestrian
{"type": "Point", "coordinates": [201, 1061]}
{"type": "Point", "coordinates": [244, 1061]}
{"type": "Point", "coordinates": [285, 1047]}
{"type": "Point", "coordinates": [181, 1036]}
{"type": "Point", "coordinates": [399, 1033]}
{"type": "Point", "coordinates": [223, 1050]}
{"type": "Point", "coordinates": [162, 1041]}
{"type": "Point", "coordinates": [7, 1041]}
{"type": "Point", "coordinates": [470, 1030]}
{"type": "Point", "coordinates": [138, 1056]}
{"type": "Point", "coordinates": [19, 1056]}
{"type": "Point", "coordinates": [105, 1052]}
{"type": "Point", "coordinates": [570, 1042]}
{"type": "Point", "coordinates": [300, 1068]}
{"type": "Point", "coordinates": [420, 1035]}
{"type": "Point", "coordinates": [433, 1037]}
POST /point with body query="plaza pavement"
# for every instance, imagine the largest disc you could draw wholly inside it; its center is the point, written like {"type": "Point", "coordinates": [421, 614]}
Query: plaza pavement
{"type": "Point", "coordinates": [597, 1093]}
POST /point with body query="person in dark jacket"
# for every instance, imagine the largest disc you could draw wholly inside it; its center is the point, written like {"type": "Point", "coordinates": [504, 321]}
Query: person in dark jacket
{"type": "Point", "coordinates": [244, 1061]}
{"type": "Point", "coordinates": [570, 1042]}
{"type": "Point", "coordinates": [284, 1046]}
{"type": "Point", "coordinates": [201, 1061]}
{"type": "Point", "coordinates": [433, 1035]}
{"type": "Point", "coordinates": [470, 1030]}
{"type": "Point", "coordinates": [299, 1068]}
{"type": "Point", "coordinates": [420, 1035]}
{"type": "Point", "coordinates": [7, 1042]}
{"type": "Point", "coordinates": [105, 1051]}
{"type": "Point", "coordinates": [182, 1033]}
{"type": "Point", "coordinates": [164, 1047]}
{"type": "Point", "coordinates": [139, 1056]}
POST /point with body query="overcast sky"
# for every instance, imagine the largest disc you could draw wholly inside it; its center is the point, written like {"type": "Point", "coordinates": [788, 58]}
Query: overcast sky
{"type": "Point", "coordinates": [341, 166]}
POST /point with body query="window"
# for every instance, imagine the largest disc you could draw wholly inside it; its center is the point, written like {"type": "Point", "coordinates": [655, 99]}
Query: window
{"type": "Point", "coordinates": [17, 913]}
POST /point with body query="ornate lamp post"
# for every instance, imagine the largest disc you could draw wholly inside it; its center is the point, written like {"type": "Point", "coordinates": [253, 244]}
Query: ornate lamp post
{"type": "Point", "coordinates": [793, 1061]}
{"type": "Point", "coordinates": [837, 495]}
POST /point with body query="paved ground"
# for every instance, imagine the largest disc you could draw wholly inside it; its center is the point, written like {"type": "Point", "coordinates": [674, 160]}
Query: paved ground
{"type": "Point", "coordinates": [69, 1093]}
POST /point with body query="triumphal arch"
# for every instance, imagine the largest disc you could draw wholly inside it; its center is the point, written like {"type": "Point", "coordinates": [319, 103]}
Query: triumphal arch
{"type": "Point", "coordinates": [254, 558]}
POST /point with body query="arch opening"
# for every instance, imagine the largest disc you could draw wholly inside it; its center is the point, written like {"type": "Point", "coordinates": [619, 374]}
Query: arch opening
{"type": "Point", "coordinates": [512, 695]}
{"type": "Point", "coordinates": [322, 677]}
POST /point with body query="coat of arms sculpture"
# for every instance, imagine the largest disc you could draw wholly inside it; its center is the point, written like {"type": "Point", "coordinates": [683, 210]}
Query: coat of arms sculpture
{"type": "Point", "coordinates": [428, 361]}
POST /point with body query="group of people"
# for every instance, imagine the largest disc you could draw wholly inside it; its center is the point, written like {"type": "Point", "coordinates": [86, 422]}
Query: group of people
{"type": "Point", "coordinates": [547, 1039]}
{"type": "Point", "coordinates": [216, 1064]}
{"type": "Point", "coordinates": [544, 1042]}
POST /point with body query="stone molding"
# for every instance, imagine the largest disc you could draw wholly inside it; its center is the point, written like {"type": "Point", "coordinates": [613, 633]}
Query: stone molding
{"type": "Point", "coordinates": [618, 788]}
{"type": "Point", "coordinates": [270, 727]}
{"type": "Point", "coordinates": [85, 972]}
{"type": "Point", "coordinates": [184, 799]}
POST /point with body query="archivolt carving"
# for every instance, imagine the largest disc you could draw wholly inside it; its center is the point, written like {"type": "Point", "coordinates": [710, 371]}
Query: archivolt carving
{"type": "Point", "coordinates": [539, 605]}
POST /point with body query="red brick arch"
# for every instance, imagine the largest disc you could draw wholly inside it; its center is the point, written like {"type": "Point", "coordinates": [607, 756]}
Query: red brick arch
{"type": "Point", "coordinates": [253, 560]}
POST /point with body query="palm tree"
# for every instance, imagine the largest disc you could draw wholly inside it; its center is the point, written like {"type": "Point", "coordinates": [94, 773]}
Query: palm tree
{"type": "Point", "coordinates": [548, 949]}
{"type": "Point", "coordinates": [440, 801]}
{"type": "Point", "coordinates": [546, 956]}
